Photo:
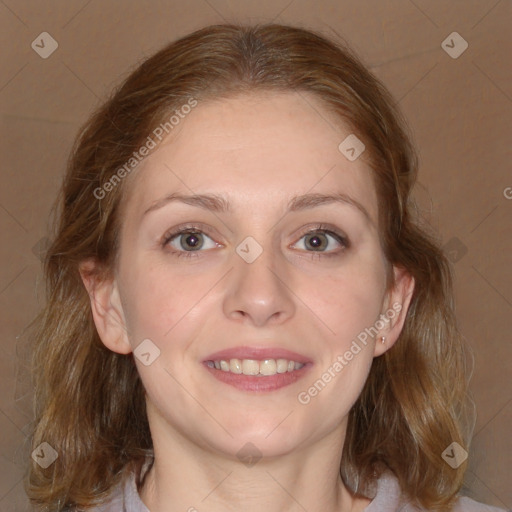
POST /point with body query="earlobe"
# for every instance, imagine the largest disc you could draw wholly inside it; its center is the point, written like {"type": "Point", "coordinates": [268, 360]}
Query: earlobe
{"type": "Point", "coordinates": [396, 308]}
{"type": "Point", "coordinates": [106, 309]}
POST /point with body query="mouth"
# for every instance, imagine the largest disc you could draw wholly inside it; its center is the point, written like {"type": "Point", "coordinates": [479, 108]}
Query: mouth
{"type": "Point", "coordinates": [263, 368]}
{"type": "Point", "coordinates": [257, 369]}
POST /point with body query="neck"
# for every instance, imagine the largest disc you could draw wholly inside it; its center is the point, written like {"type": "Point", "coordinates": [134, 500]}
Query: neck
{"type": "Point", "coordinates": [187, 477]}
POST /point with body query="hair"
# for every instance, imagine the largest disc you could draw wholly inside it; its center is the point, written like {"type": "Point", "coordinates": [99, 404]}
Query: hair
{"type": "Point", "coordinates": [89, 402]}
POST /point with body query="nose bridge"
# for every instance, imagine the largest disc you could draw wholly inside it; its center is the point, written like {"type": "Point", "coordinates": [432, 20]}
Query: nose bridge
{"type": "Point", "coordinates": [257, 286]}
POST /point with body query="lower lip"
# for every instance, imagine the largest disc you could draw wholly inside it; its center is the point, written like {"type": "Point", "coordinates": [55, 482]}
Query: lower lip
{"type": "Point", "coordinates": [259, 384]}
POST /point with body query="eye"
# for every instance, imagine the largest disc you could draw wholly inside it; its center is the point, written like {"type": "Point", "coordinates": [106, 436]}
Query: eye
{"type": "Point", "coordinates": [188, 240]}
{"type": "Point", "coordinates": [322, 240]}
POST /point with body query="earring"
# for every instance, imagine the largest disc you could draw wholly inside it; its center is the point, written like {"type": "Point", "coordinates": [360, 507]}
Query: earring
{"type": "Point", "coordinates": [383, 339]}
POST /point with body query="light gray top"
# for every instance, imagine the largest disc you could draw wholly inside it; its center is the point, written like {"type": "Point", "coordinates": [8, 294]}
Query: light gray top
{"type": "Point", "coordinates": [388, 498]}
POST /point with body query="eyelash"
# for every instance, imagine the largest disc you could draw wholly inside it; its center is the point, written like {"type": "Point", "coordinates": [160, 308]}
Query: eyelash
{"type": "Point", "coordinates": [320, 228]}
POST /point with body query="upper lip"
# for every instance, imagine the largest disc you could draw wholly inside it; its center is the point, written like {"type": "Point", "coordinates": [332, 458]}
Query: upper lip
{"type": "Point", "coordinates": [258, 353]}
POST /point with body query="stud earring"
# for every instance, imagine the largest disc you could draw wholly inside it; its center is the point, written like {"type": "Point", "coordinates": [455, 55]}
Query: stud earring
{"type": "Point", "coordinates": [383, 339]}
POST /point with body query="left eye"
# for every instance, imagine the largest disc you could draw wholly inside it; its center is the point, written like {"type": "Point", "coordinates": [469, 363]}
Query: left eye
{"type": "Point", "coordinates": [321, 241]}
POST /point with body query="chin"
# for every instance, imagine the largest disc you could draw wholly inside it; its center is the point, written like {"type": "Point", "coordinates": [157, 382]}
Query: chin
{"type": "Point", "coordinates": [269, 438]}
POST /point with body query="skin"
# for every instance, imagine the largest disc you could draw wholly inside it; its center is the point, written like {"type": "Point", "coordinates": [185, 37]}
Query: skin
{"type": "Point", "coordinates": [258, 151]}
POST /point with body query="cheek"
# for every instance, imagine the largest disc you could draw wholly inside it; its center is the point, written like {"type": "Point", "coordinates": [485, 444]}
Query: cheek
{"type": "Point", "coordinates": [164, 303]}
{"type": "Point", "coordinates": [349, 305]}
{"type": "Point", "coordinates": [350, 300]}
{"type": "Point", "coordinates": [153, 302]}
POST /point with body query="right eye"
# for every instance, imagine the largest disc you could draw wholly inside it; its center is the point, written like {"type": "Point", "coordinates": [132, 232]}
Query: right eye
{"type": "Point", "coordinates": [188, 240]}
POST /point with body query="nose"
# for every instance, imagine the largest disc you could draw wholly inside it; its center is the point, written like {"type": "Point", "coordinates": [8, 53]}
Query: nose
{"type": "Point", "coordinates": [259, 292]}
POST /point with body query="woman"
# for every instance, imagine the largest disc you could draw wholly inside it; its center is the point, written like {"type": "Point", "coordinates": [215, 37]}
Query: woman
{"type": "Point", "coordinates": [242, 311]}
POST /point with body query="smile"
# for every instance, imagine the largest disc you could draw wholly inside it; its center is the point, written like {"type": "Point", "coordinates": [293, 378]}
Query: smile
{"type": "Point", "coordinates": [257, 369]}
{"type": "Point", "coordinates": [263, 368]}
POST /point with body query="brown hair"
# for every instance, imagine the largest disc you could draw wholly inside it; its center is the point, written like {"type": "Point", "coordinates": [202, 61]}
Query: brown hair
{"type": "Point", "coordinates": [90, 402]}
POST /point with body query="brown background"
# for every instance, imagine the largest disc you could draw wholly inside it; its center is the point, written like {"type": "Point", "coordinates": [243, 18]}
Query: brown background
{"type": "Point", "coordinates": [459, 111]}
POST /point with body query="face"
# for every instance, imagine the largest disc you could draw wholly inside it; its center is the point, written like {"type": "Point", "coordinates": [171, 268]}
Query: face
{"type": "Point", "coordinates": [268, 270]}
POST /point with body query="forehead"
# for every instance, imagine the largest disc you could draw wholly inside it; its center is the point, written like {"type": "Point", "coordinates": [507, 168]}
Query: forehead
{"type": "Point", "coordinates": [259, 148]}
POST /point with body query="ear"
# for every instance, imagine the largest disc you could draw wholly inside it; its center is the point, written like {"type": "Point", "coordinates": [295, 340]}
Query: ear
{"type": "Point", "coordinates": [395, 307]}
{"type": "Point", "coordinates": [106, 308]}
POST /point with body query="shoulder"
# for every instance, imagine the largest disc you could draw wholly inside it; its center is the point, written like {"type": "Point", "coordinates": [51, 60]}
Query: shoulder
{"type": "Point", "coordinates": [124, 497]}
{"type": "Point", "coordinates": [389, 498]}
{"type": "Point", "coordinates": [116, 499]}
{"type": "Point", "coordinates": [465, 504]}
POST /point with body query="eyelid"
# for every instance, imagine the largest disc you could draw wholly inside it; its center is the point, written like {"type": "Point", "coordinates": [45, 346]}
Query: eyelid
{"type": "Point", "coordinates": [322, 226]}
{"type": "Point", "coordinates": [179, 229]}
{"type": "Point", "coordinates": [328, 230]}
{"type": "Point", "coordinates": [204, 229]}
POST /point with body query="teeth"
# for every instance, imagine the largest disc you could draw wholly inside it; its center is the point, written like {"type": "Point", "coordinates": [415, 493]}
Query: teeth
{"type": "Point", "coordinates": [250, 367]}
{"type": "Point", "coordinates": [282, 366]}
{"type": "Point", "coordinates": [235, 366]}
{"type": "Point", "coordinates": [254, 367]}
{"type": "Point", "coordinates": [268, 367]}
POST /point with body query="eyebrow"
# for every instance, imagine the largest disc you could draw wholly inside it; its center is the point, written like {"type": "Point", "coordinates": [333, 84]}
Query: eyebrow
{"type": "Point", "coordinates": [219, 204]}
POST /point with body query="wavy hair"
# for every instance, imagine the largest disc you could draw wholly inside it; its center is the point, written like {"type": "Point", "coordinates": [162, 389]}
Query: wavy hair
{"type": "Point", "coordinates": [89, 402]}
